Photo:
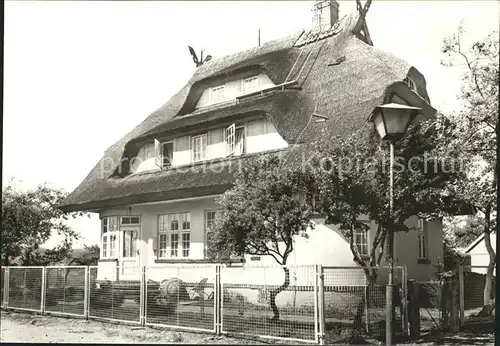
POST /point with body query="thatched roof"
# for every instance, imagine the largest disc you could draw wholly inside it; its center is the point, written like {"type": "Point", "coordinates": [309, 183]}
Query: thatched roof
{"type": "Point", "coordinates": [343, 78]}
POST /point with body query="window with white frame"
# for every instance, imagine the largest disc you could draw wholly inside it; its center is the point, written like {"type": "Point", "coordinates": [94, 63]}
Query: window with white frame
{"type": "Point", "coordinates": [239, 141]}
{"type": "Point", "coordinates": [250, 84]}
{"type": "Point", "coordinates": [422, 239]}
{"type": "Point", "coordinates": [199, 145]}
{"type": "Point", "coordinates": [167, 154]}
{"type": "Point", "coordinates": [217, 94]}
{"type": "Point", "coordinates": [235, 140]}
{"type": "Point", "coordinates": [174, 235]}
{"type": "Point", "coordinates": [109, 231]}
{"type": "Point", "coordinates": [361, 238]}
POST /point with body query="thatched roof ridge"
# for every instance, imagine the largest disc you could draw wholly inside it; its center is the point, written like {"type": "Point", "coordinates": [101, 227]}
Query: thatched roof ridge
{"type": "Point", "coordinates": [343, 78]}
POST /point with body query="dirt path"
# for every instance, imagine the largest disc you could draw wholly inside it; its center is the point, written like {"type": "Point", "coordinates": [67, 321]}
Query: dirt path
{"type": "Point", "coordinates": [35, 328]}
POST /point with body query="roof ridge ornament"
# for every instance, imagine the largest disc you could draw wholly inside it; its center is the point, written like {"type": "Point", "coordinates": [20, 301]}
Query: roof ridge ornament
{"type": "Point", "coordinates": [195, 57]}
{"type": "Point", "coordinates": [361, 24]}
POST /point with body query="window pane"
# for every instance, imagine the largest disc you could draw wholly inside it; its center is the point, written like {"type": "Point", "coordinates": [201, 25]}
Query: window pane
{"type": "Point", "coordinates": [250, 84]}
{"type": "Point", "coordinates": [174, 244]}
{"type": "Point", "coordinates": [168, 154]}
{"type": "Point", "coordinates": [163, 245]}
{"type": "Point", "coordinates": [239, 141]}
{"type": "Point", "coordinates": [185, 244]}
{"type": "Point", "coordinates": [199, 147]}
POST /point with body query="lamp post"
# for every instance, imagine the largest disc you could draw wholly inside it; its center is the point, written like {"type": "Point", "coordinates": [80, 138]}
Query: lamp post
{"type": "Point", "coordinates": [391, 121]}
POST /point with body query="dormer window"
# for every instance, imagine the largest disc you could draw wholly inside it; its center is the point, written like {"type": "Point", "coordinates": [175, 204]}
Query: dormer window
{"type": "Point", "coordinates": [235, 140]}
{"type": "Point", "coordinates": [167, 154]}
{"type": "Point", "coordinates": [250, 84]}
{"type": "Point", "coordinates": [217, 94]}
{"type": "Point", "coordinates": [164, 154]}
{"type": "Point", "coordinates": [199, 145]}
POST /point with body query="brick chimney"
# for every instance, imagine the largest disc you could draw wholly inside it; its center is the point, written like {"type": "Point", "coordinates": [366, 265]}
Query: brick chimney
{"type": "Point", "coordinates": [326, 14]}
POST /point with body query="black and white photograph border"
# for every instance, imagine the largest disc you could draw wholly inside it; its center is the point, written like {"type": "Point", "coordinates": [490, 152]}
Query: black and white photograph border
{"type": "Point", "coordinates": [228, 172]}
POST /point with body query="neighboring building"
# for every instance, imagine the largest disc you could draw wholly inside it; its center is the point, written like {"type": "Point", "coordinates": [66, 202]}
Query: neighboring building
{"type": "Point", "coordinates": [479, 257]}
{"type": "Point", "coordinates": [155, 189]}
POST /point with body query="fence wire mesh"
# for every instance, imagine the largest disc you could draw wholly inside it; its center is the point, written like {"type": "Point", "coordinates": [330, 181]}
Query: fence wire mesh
{"type": "Point", "coordinates": [114, 293]}
{"type": "Point", "coordinates": [181, 296]}
{"type": "Point", "coordinates": [478, 306]}
{"type": "Point", "coordinates": [25, 288]}
{"type": "Point", "coordinates": [265, 301]}
{"type": "Point", "coordinates": [354, 309]}
{"type": "Point", "coordinates": [247, 301]}
{"type": "Point", "coordinates": [2, 286]}
{"type": "Point", "coordinates": [65, 290]}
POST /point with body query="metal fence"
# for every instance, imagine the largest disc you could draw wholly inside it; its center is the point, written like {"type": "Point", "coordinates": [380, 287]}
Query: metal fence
{"type": "Point", "coordinates": [270, 301]}
{"type": "Point", "coordinates": [355, 309]}
{"type": "Point", "coordinates": [308, 303]}
{"type": "Point", "coordinates": [181, 297]}
{"type": "Point", "coordinates": [113, 299]}
{"type": "Point", "coordinates": [65, 290]}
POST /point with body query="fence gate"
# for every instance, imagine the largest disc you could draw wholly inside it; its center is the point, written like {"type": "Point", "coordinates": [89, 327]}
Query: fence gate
{"type": "Point", "coordinates": [247, 309]}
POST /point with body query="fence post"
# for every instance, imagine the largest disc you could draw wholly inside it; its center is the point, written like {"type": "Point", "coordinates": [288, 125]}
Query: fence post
{"type": "Point", "coordinates": [321, 304]}
{"type": "Point", "coordinates": [86, 293]}
{"type": "Point", "coordinates": [6, 288]}
{"type": "Point", "coordinates": [44, 289]}
{"type": "Point", "coordinates": [316, 304]}
{"type": "Point", "coordinates": [414, 309]}
{"type": "Point", "coordinates": [218, 296]}
{"type": "Point", "coordinates": [142, 297]}
{"type": "Point", "coordinates": [461, 294]}
{"type": "Point", "coordinates": [367, 322]}
{"type": "Point", "coordinates": [404, 301]}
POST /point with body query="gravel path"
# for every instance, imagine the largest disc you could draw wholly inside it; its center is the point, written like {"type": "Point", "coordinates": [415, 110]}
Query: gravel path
{"type": "Point", "coordinates": [27, 327]}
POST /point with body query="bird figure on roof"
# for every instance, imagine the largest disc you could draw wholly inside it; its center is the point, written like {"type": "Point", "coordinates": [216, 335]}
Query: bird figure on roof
{"type": "Point", "coordinates": [195, 57]}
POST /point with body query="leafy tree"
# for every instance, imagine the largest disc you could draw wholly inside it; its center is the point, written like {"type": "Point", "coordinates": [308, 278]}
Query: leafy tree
{"type": "Point", "coordinates": [352, 177]}
{"type": "Point", "coordinates": [352, 180]}
{"type": "Point", "coordinates": [28, 220]}
{"type": "Point", "coordinates": [260, 215]}
{"type": "Point", "coordinates": [88, 257]}
{"type": "Point", "coordinates": [475, 131]}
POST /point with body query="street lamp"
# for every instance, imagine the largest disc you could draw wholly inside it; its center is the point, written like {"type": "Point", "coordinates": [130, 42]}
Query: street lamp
{"type": "Point", "coordinates": [391, 121]}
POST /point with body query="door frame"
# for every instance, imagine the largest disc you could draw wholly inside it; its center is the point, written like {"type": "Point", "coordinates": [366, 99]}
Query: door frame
{"type": "Point", "coordinates": [137, 258]}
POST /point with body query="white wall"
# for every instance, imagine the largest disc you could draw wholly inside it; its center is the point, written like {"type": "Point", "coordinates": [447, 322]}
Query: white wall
{"type": "Point", "coordinates": [479, 255]}
{"type": "Point", "coordinates": [233, 89]}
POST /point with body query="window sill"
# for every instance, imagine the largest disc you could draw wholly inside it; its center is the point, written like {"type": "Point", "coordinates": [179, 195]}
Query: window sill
{"type": "Point", "coordinates": [108, 260]}
{"type": "Point", "coordinates": [423, 261]}
{"type": "Point", "coordinates": [199, 164]}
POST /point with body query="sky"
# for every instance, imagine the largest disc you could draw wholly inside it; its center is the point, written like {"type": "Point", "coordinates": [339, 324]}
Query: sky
{"type": "Point", "coordinates": [80, 75]}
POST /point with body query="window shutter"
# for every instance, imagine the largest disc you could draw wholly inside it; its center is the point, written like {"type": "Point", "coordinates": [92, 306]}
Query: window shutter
{"type": "Point", "coordinates": [158, 153]}
{"type": "Point", "coordinates": [155, 243]}
{"type": "Point", "coordinates": [230, 137]}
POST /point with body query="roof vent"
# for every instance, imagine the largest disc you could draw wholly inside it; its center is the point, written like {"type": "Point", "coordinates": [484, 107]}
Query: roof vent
{"type": "Point", "coordinates": [326, 14]}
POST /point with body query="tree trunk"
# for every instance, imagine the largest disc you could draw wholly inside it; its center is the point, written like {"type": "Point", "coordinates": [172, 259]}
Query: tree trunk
{"type": "Point", "coordinates": [360, 309]}
{"type": "Point", "coordinates": [273, 293]}
{"type": "Point", "coordinates": [488, 285]}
